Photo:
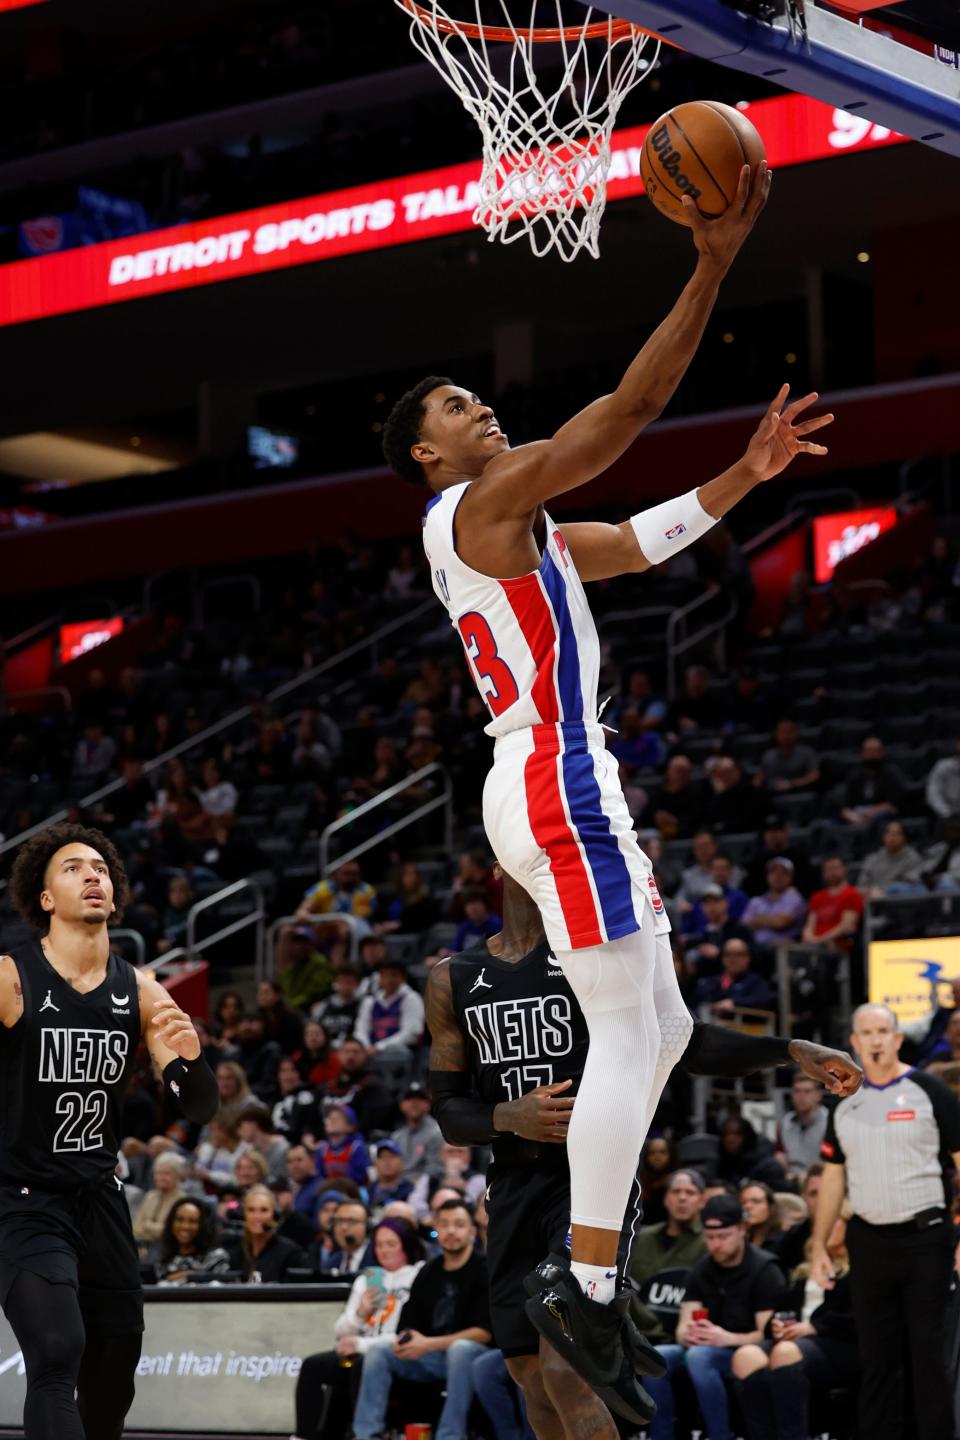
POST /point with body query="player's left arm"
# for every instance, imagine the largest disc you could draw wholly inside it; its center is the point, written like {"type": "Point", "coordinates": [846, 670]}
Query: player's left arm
{"type": "Point", "coordinates": [174, 1048]}
{"type": "Point", "coordinates": [601, 551]}
{"type": "Point", "coordinates": [719, 1051]}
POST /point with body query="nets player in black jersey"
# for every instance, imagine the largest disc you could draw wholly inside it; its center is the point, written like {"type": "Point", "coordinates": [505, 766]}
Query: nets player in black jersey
{"type": "Point", "coordinates": [72, 1016]}
{"type": "Point", "coordinates": [508, 1047]}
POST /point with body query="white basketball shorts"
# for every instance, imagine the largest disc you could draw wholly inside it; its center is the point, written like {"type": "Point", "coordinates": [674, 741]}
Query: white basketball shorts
{"type": "Point", "coordinates": [556, 818]}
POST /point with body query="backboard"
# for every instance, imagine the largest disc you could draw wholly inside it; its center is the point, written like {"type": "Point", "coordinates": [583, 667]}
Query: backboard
{"type": "Point", "coordinates": [818, 51]}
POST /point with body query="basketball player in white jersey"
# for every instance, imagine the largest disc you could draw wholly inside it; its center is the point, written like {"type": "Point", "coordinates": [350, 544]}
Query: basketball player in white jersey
{"type": "Point", "coordinates": [553, 808]}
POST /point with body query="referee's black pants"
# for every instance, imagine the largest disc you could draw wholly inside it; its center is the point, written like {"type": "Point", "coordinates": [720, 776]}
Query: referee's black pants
{"type": "Point", "coordinates": [900, 1281]}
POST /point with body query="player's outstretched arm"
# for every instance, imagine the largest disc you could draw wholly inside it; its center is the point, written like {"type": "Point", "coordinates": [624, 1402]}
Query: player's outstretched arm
{"type": "Point", "coordinates": [718, 1050]}
{"type": "Point", "coordinates": [587, 444]}
{"type": "Point", "coordinates": [601, 551]}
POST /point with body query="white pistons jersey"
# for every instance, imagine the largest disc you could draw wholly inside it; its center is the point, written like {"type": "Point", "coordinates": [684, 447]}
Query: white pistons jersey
{"type": "Point", "coordinates": [531, 643]}
{"type": "Point", "coordinates": [553, 807]}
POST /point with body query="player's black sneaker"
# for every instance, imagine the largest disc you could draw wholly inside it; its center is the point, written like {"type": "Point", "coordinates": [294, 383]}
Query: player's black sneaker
{"type": "Point", "coordinates": [590, 1338]}
{"type": "Point", "coordinates": [644, 1357]}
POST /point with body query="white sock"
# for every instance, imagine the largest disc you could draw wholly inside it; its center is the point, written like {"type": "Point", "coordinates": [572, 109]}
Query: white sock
{"type": "Point", "coordinates": [598, 1282]}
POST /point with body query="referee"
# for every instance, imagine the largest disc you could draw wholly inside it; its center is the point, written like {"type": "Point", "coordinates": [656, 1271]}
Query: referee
{"type": "Point", "coordinates": [892, 1144]}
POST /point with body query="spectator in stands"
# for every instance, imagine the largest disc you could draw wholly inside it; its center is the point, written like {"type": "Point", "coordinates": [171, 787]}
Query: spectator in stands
{"type": "Point", "coordinates": [173, 921]}
{"type": "Point", "coordinates": [835, 912]}
{"type": "Point", "coordinates": [477, 925]}
{"type": "Point", "coordinates": [347, 893]}
{"type": "Point", "coordinates": [255, 1128]}
{"type": "Point", "coordinates": [776, 840]}
{"type": "Point", "coordinates": [745, 1155]}
{"type": "Point", "coordinates": [303, 971]}
{"type": "Point", "coordinates": [738, 1286]}
{"type": "Point", "coordinates": [943, 787]}
{"type": "Point", "coordinates": [338, 1011]}
{"type": "Point", "coordinates": [729, 877]}
{"type": "Point", "coordinates": [305, 1182]}
{"type": "Point", "coordinates": [94, 755]}
{"type": "Point", "coordinates": [390, 1183]}
{"type": "Point", "coordinates": [214, 1157]}
{"type": "Point", "coordinates": [280, 1023]}
{"type": "Point", "coordinates": [778, 914]}
{"type": "Point", "coordinates": [803, 1127]}
{"type": "Point", "coordinates": [707, 928]}
{"type": "Point", "coordinates": [188, 1245]}
{"type": "Point", "coordinates": [737, 986]}
{"type": "Point", "coordinates": [391, 1019]}
{"type": "Point", "coordinates": [657, 1161]}
{"type": "Point", "coordinates": [343, 1153]}
{"type": "Point", "coordinates": [360, 1087]}
{"type": "Point", "coordinates": [696, 708]}
{"type": "Point", "coordinates": [732, 802]}
{"type": "Point", "coordinates": [129, 805]}
{"type": "Point", "coordinates": [261, 1254]}
{"type": "Point", "coordinates": [673, 1244]}
{"type": "Point", "coordinates": [640, 696]}
{"type": "Point", "coordinates": [168, 1174]}
{"type": "Point", "coordinates": [748, 706]}
{"type": "Point", "coordinates": [896, 864]}
{"type": "Point", "coordinates": [290, 1223]}
{"type": "Point", "coordinates": [318, 1062]}
{"type": "Point", "coordinates": [373, 949]}
{"type": "Point", "coordinates": [634, 746]}
{"type": "Point", "coordinates": [941, 860]}
{"type": "Point", "coordinates": [234, 1090]}
{"type": "Point", "coordinates": [814, 1347]}
{"type": "Point", "coordinates": [874, 788]}
{"type": "Point", "coordinates": [445, 1325]}
{"type": "Point", "coordinates": [403, 577]}
{"type": "Point", "coordinates": [458, 1172]}
{"type": "Point", "coordinates": [795, 1239]}
{"type": "Point", "coordinates": [371, 1313]}
{"type": "Point", "coordinates": [259, 1057]}
{"type": "Point", "coordinates": [419, 1138]}
{"type": "Point", "coordinates": [228, 1013]}
{"type": "Point", "coordinates": [474, 873]}
{"type": "Point", "coordinates": [296, 1114]}
{"type": "Point", "coordinates": [414, 909]}
{"type": "Point", "coordinates": [677, 807]}
{"type": "Point", "coordinates": [698, 877]}
{"type": "Point", "coordinates": [788, 765]}
{"type": "Point", "coordinates": [350, 1252]}
{"type": "Point", "coordinates": [762, 1214]}
{"type": "Point", "coordinates": [249, 1168]}
{"type": "Point", "coordinates": [219, 796]}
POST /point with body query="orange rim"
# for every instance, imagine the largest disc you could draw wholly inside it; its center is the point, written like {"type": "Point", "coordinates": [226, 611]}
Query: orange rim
{"type": "Point", "coordinates": [599, 30]}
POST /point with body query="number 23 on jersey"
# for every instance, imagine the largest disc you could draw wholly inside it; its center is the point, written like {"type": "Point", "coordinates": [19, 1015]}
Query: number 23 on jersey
{"type": "Point", "coordinates": [494, 677]}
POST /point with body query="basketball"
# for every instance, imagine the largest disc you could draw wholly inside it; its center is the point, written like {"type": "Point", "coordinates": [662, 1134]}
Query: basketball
{"type": "Point", "coordinates": [698, 149]}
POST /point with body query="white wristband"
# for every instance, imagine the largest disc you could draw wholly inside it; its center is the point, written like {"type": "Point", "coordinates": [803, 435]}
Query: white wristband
{"type": "Point", "coordinates": [665, 529]}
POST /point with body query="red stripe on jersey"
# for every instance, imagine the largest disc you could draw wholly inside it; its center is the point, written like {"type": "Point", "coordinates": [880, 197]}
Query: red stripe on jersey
{"type": "Point", "coordinates": [535, 618]}
{"type": "Point", "coordinates": [552, 833]}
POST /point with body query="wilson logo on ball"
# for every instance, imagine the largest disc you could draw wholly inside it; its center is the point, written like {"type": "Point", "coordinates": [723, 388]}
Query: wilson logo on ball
{"type": "Point", "coordinates": [669, 160]}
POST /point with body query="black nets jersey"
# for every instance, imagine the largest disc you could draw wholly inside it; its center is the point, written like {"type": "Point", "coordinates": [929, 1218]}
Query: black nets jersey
{"type": "Point", "coordinates": [64, 1068]}
{"type": "Point", "coordinates": [524, 1028]}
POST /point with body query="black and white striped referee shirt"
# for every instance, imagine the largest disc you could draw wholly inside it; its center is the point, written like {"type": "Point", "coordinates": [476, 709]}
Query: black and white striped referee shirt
{"type": "Point", "coordinates": [896, 1141]}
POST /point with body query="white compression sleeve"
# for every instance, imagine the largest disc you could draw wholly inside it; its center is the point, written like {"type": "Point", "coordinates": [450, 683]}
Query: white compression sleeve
{"type": "Point", "coordinates": [614, 984]}
{"type": "Point", "coordinates": [664, 529]}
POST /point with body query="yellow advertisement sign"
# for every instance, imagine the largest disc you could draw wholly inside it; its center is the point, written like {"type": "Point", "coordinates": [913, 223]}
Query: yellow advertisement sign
{"type": "Point", "coordinates": [911, 976]}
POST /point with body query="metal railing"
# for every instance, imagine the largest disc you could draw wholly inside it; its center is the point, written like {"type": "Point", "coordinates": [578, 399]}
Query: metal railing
{"type": "Point", "coordinates": [445, 800]}
{"type": "Point", "coordinates": [265, 967]}
{"type": "Point", "coordinates": [138, 942]}
{"type": "Point", "coordinates": [678, 621]}
{"type": "Point", "coordinates": [193, 946]}
{"type": "Point", "coordinates": [369, 642]}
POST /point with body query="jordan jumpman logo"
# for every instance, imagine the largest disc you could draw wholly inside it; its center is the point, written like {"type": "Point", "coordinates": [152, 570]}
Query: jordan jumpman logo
{"type": "Point", "coordinates": [480, 983]}
{"type": "Point", "coordinates": [48, 1005]}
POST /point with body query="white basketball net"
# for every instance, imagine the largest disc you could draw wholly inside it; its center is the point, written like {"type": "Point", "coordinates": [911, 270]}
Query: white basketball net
{"type": "Point", "coordinates": [546, 152]}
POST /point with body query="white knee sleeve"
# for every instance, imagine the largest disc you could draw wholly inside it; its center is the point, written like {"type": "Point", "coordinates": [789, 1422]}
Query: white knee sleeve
{"type": "Point", "coordinates": [614, 985]}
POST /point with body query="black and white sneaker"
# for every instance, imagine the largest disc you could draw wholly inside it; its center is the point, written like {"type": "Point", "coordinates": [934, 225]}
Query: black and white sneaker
{"type": "Point", "coordinates": [644, 1357]}
{"type": "Point", "coordinates": [590, 1338]}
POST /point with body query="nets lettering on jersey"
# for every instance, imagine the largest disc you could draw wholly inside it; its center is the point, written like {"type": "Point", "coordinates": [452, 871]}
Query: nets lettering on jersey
{"type": "Point", "coordinates": [545, 95]}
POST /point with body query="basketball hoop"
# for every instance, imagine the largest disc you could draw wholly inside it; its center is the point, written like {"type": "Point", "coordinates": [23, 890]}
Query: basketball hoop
{"type": "Point", "coordinates": [546, 149]}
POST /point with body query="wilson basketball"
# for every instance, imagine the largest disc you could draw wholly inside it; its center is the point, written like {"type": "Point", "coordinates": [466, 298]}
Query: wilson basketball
{"type": "Point", "coordinates": [698, 149]}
